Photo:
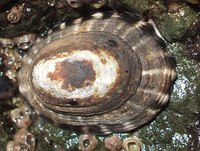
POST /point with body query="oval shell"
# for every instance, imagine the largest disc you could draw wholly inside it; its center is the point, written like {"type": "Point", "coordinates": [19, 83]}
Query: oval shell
{"type": "Point", "coordinates": [107, 73]}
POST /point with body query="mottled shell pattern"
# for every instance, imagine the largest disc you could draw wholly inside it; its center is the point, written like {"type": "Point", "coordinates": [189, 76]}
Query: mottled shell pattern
{"type": "Point", "coordinates": [102, 74]}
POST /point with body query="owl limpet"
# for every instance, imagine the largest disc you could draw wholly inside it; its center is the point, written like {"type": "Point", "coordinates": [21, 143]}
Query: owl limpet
{"type": "Point", "coordinates": [102, 74]}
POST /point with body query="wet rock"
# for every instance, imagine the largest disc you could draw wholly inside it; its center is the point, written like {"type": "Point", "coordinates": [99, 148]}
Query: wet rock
{"type": "Point", "coordinates": [192, 40]}
{"type": "Point", "coordinates": [194, 130]}
{"type": "Point", "coordinates": [6, 87]}
{"type": "Point", "coordinates": [11, 61]}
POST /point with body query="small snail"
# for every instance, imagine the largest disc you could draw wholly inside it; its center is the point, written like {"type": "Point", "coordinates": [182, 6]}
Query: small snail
{"type": "Point", "coordinates": [107, 73]}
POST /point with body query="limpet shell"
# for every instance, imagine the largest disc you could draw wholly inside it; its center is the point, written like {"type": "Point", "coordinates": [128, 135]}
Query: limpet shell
{"type": "Point", "coordinates": [102, 74]}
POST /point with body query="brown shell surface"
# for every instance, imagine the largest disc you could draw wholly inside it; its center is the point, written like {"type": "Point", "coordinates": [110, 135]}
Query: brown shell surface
{"type": "Point", "coordinates": [120, 69]}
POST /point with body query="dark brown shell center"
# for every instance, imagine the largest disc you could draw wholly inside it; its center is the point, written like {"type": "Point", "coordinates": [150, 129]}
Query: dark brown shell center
{"type": "Point", "coordinates": [74, 74]}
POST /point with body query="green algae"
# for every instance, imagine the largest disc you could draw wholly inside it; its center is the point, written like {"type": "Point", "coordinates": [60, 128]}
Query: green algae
{"type": "Point", "coordinates": [174, 25]}
{"type": "Point", "coordinates": [137, 6]}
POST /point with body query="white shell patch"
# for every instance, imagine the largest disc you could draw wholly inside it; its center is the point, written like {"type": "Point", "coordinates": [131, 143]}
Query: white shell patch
{"type": "Point", "coordinates": [105, 66]}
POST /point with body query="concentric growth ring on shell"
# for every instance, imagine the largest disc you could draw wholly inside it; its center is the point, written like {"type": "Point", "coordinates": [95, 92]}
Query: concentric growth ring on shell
{"type": "Point", "coordinates": [107, 73]}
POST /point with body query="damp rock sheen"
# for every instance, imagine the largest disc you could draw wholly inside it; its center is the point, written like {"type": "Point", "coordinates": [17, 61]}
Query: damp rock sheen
{"type": "Point", "coordinates": [101, 74]}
